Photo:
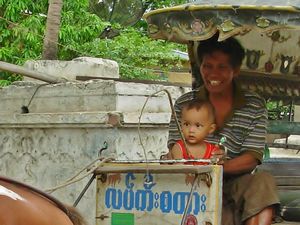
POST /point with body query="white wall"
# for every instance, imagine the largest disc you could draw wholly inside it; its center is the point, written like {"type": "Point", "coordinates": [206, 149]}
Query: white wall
{"type": "Point", "coordinates": [68, 124]}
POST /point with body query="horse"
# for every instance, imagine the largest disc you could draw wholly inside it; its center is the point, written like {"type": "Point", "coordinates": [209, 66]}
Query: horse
{"type": "Point", "coordinates": [21, 204]}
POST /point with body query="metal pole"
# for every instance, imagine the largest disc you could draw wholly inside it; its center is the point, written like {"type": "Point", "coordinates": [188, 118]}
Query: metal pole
{"type": "Point", "coordinates": [183, 220]}
{"type": "Point", "coordinates": [29, 73]}
{"type": "Point", "coordinates": [84, 190]}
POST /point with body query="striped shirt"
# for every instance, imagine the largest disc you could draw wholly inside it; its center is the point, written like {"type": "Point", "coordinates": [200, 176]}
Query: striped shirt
{"type": "Point", "coordinates": [244, 129]}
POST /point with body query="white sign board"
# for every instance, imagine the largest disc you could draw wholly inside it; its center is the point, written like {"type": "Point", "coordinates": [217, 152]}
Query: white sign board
{"type": "Point", "coordinates": [159, 194]}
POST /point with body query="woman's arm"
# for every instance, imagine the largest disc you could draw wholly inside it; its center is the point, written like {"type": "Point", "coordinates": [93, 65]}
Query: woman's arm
{"type": "Point", "coordinates": [239, 165]}
{"type": "Point", "coordinates": [244, 163]}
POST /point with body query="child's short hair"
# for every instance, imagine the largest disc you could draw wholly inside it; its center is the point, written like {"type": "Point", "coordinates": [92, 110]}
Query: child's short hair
{"type": "Point", "coordinates": [198, 103]}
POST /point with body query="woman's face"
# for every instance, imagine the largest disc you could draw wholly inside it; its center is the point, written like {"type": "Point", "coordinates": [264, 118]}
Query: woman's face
{"type": "Point", "coordinates": [217, 72]}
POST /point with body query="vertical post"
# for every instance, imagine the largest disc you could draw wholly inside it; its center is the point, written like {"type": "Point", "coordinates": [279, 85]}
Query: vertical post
{"type": "Point", "coordinates": [196, 77]}
{"type": "Point", "coordinates": [291, 117]}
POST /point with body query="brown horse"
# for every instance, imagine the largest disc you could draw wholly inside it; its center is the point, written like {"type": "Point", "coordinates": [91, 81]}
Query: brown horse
{"type": "Point", "coordinates": [21, 204]}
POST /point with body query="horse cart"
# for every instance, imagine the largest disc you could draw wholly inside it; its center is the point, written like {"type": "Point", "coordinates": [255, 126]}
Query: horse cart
{"type": "Point", "coordinates": [151, 193]}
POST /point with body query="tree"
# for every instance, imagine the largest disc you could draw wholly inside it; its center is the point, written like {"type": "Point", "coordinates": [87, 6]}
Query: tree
{"type": "Point", "coordinates": [50, 48]}
{"type": "Point", "coordinates": [22, 25]}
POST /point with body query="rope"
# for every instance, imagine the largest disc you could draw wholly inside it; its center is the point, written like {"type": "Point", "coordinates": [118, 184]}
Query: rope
{"type": "Point", "coordinates": [90, 168]}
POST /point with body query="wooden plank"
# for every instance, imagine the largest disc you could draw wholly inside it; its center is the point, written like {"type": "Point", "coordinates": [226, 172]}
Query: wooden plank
{"type": "Point", "coordinates": [283, 167]}
{"type": "Point", "coordinates": [264, 75]}
{"type": "Point", "coordinates": [30, 73]}
{"type": "Point", "coordinates": [288, 181]}
{"type": "Point", "coordinates": [158, 168]}
{"type": "Point", "coordinates": [286, 146]}
{"type": "Point", "coordinates": [287, 223]}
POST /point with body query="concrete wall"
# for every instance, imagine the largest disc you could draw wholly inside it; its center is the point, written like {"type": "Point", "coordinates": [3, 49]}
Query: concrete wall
{"type": "Point", "coordinates": [68, 123]}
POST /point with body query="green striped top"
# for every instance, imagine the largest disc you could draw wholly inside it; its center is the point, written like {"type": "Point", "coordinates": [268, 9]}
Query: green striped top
{"type": "Point", "coordinates": [244, 129]}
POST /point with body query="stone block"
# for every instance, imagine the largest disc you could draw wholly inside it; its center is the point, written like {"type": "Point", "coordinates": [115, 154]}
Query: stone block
{"type": "Point", "coordinates": [82, 66]}
{"type": "Point", "coordinates": [88, 96]}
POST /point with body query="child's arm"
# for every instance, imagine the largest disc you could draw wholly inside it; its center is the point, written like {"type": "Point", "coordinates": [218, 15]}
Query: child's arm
{"type": "Point", "coordinates": [176, 152]}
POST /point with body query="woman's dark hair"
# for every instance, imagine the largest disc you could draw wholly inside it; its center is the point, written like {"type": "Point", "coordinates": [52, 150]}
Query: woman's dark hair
{"type": "Point", "coordinates": [230, 46]}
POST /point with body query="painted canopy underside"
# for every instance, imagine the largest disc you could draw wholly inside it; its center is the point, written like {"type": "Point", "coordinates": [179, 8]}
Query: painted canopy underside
{"type": "Point", "coordinates": [200, 20]}
{"type": "Point", "coordinates": [268, 29]}
{"type": "Point", "coordinates": [295, 3]}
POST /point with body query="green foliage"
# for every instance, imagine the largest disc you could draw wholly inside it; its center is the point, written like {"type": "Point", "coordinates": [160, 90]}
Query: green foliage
{"type": "Point", "coordinates": [4, 83]}
{"type": "Point", "coordinates": [134, 52]}
{"type": "Point", "coordinates": [21, 35]}
{"type": "Point", "coordinates": [277, 110]}
{"type": "Point", "coordinates": [22, 25]}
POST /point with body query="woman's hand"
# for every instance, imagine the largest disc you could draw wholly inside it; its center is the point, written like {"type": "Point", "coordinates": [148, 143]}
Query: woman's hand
{"type": "Point", "coordinates": [218, 155]}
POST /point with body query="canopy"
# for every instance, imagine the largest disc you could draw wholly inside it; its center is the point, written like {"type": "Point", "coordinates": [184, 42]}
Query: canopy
{"type": "Point", "coordinates": [269, 30]}
{"type": "Point", "coordinates": [200, 20]}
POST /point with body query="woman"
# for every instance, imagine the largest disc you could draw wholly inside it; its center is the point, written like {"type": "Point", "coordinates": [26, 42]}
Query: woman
{"type": "Point", "coordinates": [240, 117]}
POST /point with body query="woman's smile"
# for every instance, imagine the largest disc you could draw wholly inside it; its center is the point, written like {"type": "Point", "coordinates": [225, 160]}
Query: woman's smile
{"type": "Point", "coordinates": [214, 82]}
{"type": "Point", "coordinates": [217, 72]}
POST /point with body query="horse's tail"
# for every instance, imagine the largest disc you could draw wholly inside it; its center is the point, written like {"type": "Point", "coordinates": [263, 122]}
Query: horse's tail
{"type": "Point", "coordinates": [75, 216]}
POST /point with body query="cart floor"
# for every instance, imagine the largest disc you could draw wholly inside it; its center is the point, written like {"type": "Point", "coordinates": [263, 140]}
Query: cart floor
{"type": "Point", "coordinates": [287, 223]}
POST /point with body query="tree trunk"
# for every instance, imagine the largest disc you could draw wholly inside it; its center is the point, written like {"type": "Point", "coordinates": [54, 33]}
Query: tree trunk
{"type": "Point", "coordinates": [50, 47]}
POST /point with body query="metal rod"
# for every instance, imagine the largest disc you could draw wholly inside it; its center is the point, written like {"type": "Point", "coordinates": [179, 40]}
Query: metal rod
{"type": "Point", "coordinates": [84, 190]}
{"type": "Point", "coordinates": [29, 73]}
{"type": "Point", "coordinates": [291, 110]}
{"type": "Point", "coordinates": [163, 161]}
{"type": "Point", "coordinates": [183, 221]}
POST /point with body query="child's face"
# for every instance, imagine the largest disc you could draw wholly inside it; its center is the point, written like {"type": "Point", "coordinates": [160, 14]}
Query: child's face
{"type": "Point", "coordinates": [196, 124]}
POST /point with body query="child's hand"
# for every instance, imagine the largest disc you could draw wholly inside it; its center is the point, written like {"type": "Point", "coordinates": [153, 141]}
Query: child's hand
{"type": "Point", "coordinates": [189, 179]}
{"type": "Point", "coordinates": [167, 156]}
{"type": "Point", "coordinates": [219, 155]}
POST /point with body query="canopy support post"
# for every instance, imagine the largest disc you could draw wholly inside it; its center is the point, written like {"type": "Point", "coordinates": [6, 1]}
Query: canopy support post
{"type": "Point", "coordinates": [196, 77]}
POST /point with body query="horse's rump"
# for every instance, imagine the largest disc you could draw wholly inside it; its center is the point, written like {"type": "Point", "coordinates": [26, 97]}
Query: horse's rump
{"type": "Point", "coordinates": [21, 204]}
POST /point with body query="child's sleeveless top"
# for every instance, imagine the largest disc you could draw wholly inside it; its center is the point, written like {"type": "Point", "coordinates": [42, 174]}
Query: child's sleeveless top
{"type": "Point", "coordinates": [208, 152]}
